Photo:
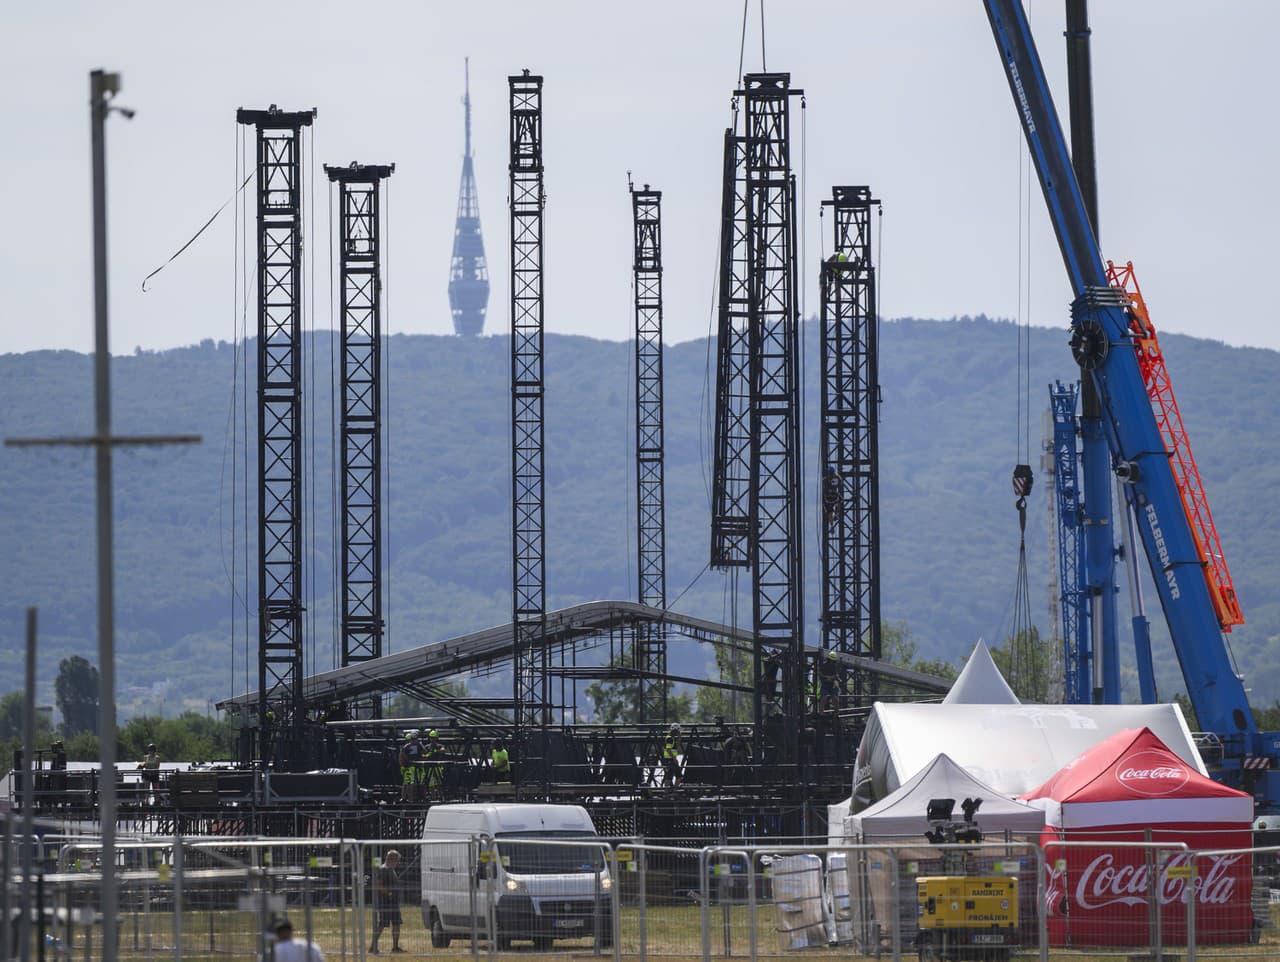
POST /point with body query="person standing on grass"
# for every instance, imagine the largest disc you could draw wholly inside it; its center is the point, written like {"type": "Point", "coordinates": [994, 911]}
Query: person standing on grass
{"type": "Point", "coordinates": [289, 949]}
{"type": "Point", "coordinates": [386, 901]}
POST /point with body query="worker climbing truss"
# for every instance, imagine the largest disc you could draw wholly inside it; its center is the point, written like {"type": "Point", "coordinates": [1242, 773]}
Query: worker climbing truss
{"type": "Point", "coordinates": [776, 531]}
{"type": "Point", "coordinates": [850, 528]}
{"type": "Point", "coordinates": [650, 647]}
{"type": "Point", "coordinates": [280, 387]}
{"type": "Point", "coordinates": [360, 428]}
{"type": "Point", "coordinates": [528, 594]}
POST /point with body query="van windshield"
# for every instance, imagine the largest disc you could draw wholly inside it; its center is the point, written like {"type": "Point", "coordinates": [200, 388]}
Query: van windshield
{"type": "Point", "coordinates": [524, 856]}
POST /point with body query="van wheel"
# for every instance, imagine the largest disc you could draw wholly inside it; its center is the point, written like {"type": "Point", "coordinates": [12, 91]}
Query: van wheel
{"type": "Point", "coordinates": [439, 937]}
{"type": "Point", "coordinates": [503, 941]}
{"type": "Point", "coordinates": [544, 943]}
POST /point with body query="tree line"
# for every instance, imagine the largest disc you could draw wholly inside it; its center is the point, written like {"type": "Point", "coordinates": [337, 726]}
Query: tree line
{"type": "Point", "coordinates": [188, 737]}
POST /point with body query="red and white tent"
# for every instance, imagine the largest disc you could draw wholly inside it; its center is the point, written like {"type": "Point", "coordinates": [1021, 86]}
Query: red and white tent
{"type": "Point", "coordinates": [1132, 788]}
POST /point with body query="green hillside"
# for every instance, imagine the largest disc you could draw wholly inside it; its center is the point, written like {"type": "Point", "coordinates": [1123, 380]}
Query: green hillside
{"type": "Point", "coordinates": [948, 444]}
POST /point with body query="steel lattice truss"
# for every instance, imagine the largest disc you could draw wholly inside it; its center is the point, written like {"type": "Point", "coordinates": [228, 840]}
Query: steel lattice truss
{"type": "Point", "coordinates": [360, 430]}
{"type": "Point", "coordinates": [850, 529]}
{"type": "Point", "coordinates": [731, 484]}
{"type": "Point", "coordinates": [531, 682]}
{"type": "Point", "coordinates": [468, 271]}
{"type": "Point", "coordinates": [1077, 678]}
{"type": "Point", "coordinates": [581, 627]}
{"type": "Point", "coordinates": [280, 384]}
{"type": "Point", "coordinates": [650, 642]}
{"type": "Point", "coordinates": [776, 529]}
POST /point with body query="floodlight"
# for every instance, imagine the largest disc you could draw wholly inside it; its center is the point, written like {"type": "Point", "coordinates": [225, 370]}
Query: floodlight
{"type": "Point", "coordinates": [940, 809]}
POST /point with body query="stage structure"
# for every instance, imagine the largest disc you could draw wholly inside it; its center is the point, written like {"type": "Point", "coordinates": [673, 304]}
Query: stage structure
{"type": "Point", "coordinates": [360, 428]}
{"type": "Point", "coordinates": [849, 532]}
{"type": "Point", "coordinates": [776, 531]}
{"type": "Point", "coordinates": [532, 684]}
{"type": "Point", "coordinates": [279, 193]}
{"type": "Point", "coordinates": [731, 477]}
{"type": "Point", "coordinates": [650, 648]}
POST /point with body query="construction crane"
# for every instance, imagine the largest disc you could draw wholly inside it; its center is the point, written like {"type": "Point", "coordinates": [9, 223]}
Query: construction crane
{"type": "Point", "coordinates": [1112, 341]}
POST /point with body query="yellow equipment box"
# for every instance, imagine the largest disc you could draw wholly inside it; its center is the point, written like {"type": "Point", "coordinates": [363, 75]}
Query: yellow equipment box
{"type": "Point", "coordinates": [967, 902]}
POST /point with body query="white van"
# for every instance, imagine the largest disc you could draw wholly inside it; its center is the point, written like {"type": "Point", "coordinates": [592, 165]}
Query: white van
{"type": "Point", "coordinates": [538, 892]}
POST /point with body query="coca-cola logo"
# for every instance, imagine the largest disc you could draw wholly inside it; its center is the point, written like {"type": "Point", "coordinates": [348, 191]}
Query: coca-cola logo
{"type": "Point", "coordinates": [1152, 773]}
{"type": "Point", "coordinates": [1103, 883]}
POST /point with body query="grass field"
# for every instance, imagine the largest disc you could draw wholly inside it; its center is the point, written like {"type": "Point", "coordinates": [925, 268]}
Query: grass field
{"type": "Point", "coordinates": [673, 932]}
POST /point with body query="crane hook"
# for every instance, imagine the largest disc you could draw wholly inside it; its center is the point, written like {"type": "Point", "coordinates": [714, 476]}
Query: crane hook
{"type": "Point", "coordinates": [1023, 480]}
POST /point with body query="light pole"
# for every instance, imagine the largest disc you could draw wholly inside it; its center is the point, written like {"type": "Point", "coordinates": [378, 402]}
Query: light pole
{"type": "Point", "coordinates": [102, 87]}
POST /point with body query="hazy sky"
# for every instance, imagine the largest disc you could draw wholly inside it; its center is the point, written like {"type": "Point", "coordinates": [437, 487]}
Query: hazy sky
{"type": "Point", "coordinates": [905, 95]}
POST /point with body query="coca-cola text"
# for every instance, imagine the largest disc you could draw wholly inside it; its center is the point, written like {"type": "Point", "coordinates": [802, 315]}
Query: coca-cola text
{"type": "Point", "coordinates": [1103, 882]}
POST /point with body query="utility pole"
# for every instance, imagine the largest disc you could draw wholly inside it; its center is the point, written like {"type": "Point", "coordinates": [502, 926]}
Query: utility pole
{"type": "Point", "coordinates": [28, 787]}
{"type": "Point", "coordinates": [103, 87]}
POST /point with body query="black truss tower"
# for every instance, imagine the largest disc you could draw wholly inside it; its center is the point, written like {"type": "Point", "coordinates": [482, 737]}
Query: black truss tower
{"type": "Point", "coordinates": [280, 384]}
{"type": "Point", "coordinates": [360, 431]}
{"type": "Point", "coordinates": [529, 567]}
{"type": "Point", "coordinates": [731, 479]}
{"type": "Point", "coordinates": [776, 520]}
{"type": "Point", "coordinates": [650, 643]}
{"type": "Point", "coordinates": [850, 528]}
{"type": "Point", "coordinates": [468, 272]}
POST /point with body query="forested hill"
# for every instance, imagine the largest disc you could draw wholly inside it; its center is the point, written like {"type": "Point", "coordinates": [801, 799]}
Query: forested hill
{"type": "Point", "coordinates": [949, 440]}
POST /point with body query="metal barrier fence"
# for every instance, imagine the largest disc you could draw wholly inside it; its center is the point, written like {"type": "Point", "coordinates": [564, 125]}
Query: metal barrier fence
{"type": "Point", "coordinates": [506, 898]}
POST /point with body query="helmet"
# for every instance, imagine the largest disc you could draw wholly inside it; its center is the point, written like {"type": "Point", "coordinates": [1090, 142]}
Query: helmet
{"type": "Point", "coordinates": [151, 748]}
{"type": "Point", "coordinates": [433, 734]}
{"type": "Point", "coordinates": [675, 729]}
{"type": "Point", "coordinates": [412, 734]}
{"type": "Point", "coordinates": [833, 654]}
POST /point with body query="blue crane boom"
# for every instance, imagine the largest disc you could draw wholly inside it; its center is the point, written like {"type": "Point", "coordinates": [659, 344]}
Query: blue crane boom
{"type": "Point", "coordinates": [1102, 345]}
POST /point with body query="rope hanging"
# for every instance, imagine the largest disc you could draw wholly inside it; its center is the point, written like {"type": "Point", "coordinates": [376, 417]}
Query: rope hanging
{"type": "Point", "coordinates": [197, 234]}
{"type": "Point", "coordinates": [1022, 671]}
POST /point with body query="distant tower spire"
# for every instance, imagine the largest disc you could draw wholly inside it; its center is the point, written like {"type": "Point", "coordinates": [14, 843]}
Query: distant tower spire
{"type": "Point", "coordinates": [468, 273]}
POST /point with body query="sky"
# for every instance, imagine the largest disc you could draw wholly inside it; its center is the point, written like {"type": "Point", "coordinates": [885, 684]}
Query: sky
{"type": "Point", "coordinates": [906, 96]}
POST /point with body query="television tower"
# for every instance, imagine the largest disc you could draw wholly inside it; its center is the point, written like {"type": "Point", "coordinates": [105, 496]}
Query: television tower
{"type": "Point", "coordinates": [468, 273]}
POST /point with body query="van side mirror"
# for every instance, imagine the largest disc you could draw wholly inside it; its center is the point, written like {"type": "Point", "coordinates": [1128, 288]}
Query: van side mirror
{"type": "Point", "coordinates": [484, 871]}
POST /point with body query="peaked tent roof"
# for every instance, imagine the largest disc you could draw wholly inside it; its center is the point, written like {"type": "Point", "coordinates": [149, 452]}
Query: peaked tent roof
{"type": "Point", "coordinates": [980, 683]}
{"type": "Point", "coordinates": [1012, 748]}
{"type": "Point", "coordinates": [903, 812]}
{"type": "Point", "coordinates": [1133, 778]}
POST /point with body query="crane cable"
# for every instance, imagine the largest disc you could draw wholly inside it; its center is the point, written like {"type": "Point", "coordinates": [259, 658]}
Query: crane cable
{"type": "Point", "coordinates": [1022, 671]}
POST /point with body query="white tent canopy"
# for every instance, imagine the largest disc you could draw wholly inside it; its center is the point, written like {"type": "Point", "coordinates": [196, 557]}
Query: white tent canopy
{"type": "Point", "coordinates": [902, 814]}
{"type": "Point", "coordinates": [1011, 748]}
{"type": "Point", "coordinates": [980, 683]}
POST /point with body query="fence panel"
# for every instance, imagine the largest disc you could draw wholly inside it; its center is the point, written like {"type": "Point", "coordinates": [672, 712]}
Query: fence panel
{"type": "Point", "coordinates": [502, 899]}
{"type": "Point", "coordinates": [664, 900]}
{"type": "Point", "coordinates": [201, 898]}
{"type": "Point", "coordinates": [1231, 900]}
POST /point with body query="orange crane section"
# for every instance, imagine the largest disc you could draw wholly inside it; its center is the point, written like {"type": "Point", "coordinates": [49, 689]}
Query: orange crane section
{"type": "Point", "coordinates": [1169, 419]}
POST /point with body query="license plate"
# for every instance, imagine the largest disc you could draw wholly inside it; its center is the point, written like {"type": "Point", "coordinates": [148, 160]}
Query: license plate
{"type": "Point", "coordinates": [988, 938]}
{"type": "Point", "coordinates": [567, 923]}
